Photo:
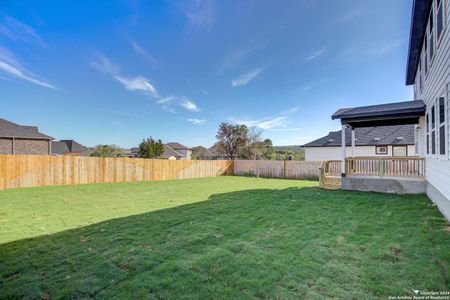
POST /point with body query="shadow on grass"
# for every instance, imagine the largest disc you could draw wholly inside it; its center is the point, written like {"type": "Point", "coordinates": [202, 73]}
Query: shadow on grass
{"type": "Point", "coordinates": [291, 243]}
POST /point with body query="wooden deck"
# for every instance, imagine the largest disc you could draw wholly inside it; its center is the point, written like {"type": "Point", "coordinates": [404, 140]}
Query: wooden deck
{"type": "Point", "coordinates": [372, 167]}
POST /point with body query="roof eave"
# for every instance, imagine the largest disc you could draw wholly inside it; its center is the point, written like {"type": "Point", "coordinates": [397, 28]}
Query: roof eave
{"type": "Point", "coordinates": [419, 16]}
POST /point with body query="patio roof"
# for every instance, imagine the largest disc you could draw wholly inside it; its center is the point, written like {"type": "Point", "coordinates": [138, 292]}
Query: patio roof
{"type": "Point", "coordinates": [398, 113]}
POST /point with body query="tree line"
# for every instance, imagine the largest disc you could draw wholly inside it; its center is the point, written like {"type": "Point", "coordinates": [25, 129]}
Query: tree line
{"type": "Point", "coordinates": [234, 141]}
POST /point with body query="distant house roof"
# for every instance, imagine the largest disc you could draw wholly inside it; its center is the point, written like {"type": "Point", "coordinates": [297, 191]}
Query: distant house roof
{"type": "Point", "coordinates": [204, 152]}
{"type": "Point", "coordinates": [13, 130]}
{"type": "Point", "coordinates": [68, 146]}
{"type": "Point", "coordinates": [176, 146]}
{"type": "Point", "coordinates": [369, 136]}
{"type": "Point", "coordinates": [419, 17]}
{"type": "Point", "coordinates": [169, 152]}
{"type": "Point", "coordinates": [397, 113]}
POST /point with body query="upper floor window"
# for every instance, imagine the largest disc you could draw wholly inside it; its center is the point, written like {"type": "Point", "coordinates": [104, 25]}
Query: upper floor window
{"type": "Point", "coordinates": [439, 18]}
{"type": "Point", "coordinates": [430, 25]}
{"type": "Point", "coordinates": [425, 53]}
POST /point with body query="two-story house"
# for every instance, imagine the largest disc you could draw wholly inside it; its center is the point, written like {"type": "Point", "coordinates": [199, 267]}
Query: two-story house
{"type": "Point", "coordinates": [428, 69]}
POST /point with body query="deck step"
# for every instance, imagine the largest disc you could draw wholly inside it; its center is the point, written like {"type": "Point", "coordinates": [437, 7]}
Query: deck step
{"type": "Point", "coordinates": [331, 182]}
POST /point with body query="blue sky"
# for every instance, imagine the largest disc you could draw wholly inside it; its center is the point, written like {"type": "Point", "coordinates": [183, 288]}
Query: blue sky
{"type": "Point", "coordinates": [115, 72]}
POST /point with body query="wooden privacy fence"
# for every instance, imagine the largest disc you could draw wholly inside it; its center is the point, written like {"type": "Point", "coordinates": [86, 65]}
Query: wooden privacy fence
{"type": "Point", "coordinates": [41, 170]}
{"type": "Point", "coordinates": [386, 166]}
{"type": "Point", "coordinates": [278, 168]}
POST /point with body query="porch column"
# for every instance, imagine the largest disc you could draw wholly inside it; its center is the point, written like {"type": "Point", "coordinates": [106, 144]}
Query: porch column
{"type": "Point", "coordinates": [353, 143]}
{"type": "Point", "coordinates": [343, 151]}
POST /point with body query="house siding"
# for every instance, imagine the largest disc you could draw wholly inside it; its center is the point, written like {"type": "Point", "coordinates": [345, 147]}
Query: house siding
{"type": "Point", "coordinates": [436, 84]}
{"type": "Point", "coordinates": [334, 153]}
{"type": "Point", "coordinates": [5, 146]}
{"type": "Point", "coordinates": [24, 146]}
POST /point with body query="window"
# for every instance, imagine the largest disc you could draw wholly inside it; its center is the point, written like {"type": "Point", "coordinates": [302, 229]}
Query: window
{"type": "Point", "coordinates": [381, 150]}
{"type": "Point", "coordinates": [428, 133]}
{"type": "Point", "coordinates": [399, 151]}
{"type": "Point", "coordinates": [420, 78]}
{"type": "Point", "coordinates": [442, 135]}
{"type": "Point", "coordinates": [430, 22]}
{"type": "Point", "coordinates": [433, 131]}
{"type": "Point", "coordinates": [439, 18]}
{"type": "Point", "coordinates": [425, 53]}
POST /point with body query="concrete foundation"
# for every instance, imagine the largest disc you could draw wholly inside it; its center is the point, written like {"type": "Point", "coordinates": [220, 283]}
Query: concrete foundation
{"type": "Point", "coordinates": [442, 203]}
{"type": "Point", "coordinates": [385, 184]}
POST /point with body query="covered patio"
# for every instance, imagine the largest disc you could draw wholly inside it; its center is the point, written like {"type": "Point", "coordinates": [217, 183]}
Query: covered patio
{"type": "Point", "coordinates": [393, 174]}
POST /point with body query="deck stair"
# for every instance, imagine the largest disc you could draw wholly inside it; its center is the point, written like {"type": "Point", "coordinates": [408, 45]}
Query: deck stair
{"type": "Point", "coordinates": [330, 175]}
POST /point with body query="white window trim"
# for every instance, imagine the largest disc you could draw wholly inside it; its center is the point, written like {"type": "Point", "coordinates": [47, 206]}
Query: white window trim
{"type": "Point", "coordinates": [447, 101]}
{"type": "Point", "coordinates": [444, 22]}
{"type": "Point", "coordinates": [442, 94]}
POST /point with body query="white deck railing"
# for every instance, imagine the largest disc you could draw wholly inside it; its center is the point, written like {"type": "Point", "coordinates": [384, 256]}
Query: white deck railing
{"type": "Point", "coordinates": [386, 166]}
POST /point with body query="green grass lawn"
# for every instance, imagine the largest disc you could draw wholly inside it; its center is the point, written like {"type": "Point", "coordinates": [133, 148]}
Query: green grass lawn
{"type": "Point", "coordinates": [225, 237]}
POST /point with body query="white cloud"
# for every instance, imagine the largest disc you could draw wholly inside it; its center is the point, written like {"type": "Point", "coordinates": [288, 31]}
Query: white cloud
{"type": "Point", "coordinates": [245, 78]}
{"type": "Point", "coordinates": [197, 121]}
{"type": "Point", "coordinates": [316, 54]}
{"type": "Point", "coordinates": [385, 48]}
{"type": "Point", "coordinates": [105, 65]}
{"type": "Point", "coordinates": [361, 50]}
{"type": "Point", "coordinates": [137, 84]}
{"type": "Point", "coordinates": [266, 123]}
{"type": "Point", "coordinates": [10, 67]}
{"type": "Point", "coordinates": [189, 105]}
{"type": "Point", "coordinates": [142, 52]}
{"type": "Point", "coordinates": [142, 84]}
{"type": "Point", "coordinates": [20, 32]}
{"type": "Point", "coordinates": [286, 129]}
{"type": "Point", "coordinates": [199, 13]}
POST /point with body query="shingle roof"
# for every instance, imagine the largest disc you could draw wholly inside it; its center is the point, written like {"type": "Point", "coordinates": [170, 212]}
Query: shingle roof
{"type": "Point", "coordinates": [168, 152]}
{"type": "Point", "coordinates": [175, 145]}
{"type": "Point", "coordinates": [368, 136]}
{"type": "Point", "coordinates": [10, 129]}
{"type": "Point", "coordinates": [59, 147]}
{"type": "Point", "coordinates": [380, 109]}
{"type": "Point", "coordinates": [64, 146]}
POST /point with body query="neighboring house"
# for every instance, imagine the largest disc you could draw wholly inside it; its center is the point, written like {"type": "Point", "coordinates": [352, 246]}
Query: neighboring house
{"type": "Point", "coordinates": [203, 153]}
{"type": "Point", "coordinates": [172, 151]}
{"type": "Point", "coordinates": [19, 139]}
{"type": "Point", "coordinates": [428, 69]}
{"type": "Point", "coordinates": [132, 152]}
{"type": "Point", "coordinates": [181, 149]}
{"type": "Point", "coordinates": [370, 141]}
{"type": "Point", "coordinates": [69, 147]}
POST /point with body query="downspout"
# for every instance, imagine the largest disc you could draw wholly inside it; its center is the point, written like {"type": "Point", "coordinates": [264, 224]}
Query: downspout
{"type": "Point", "coordinates": [13, 146]}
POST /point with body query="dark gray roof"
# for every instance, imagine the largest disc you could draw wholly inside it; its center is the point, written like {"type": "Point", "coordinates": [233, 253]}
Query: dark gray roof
{"type": "Point", "coordinates": [10, 129]}
{"type": "Point", "coordinates": [380, 109]}
{"type": "Point", "coordinates": [419, 17]}
{"type": "Point", "coordinates": [59, 147]}
{"type": "Point", "coordinates": [176, 146]}
{"type": "Point", "coordinates": [368, 136]}
{"type": "Point", "coordinates": [168, 152]}
{"type": "Point", "coordinates": [65, 146]}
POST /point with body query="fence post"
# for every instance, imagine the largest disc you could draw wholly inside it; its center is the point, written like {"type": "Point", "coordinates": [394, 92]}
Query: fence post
{"type": "Point", "coordinates": [284, 170]}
